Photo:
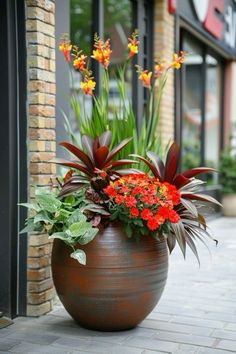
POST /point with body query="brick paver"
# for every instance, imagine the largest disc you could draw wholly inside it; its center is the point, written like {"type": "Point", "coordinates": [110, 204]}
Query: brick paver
{"type": "Point", "coordinates": [196, 315]}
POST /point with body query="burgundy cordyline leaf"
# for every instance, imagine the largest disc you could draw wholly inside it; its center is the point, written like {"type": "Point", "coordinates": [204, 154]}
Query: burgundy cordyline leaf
{"type": "Point", "coordinates": [71, 164]}
{"type": "Point", "coordinates": [191, 244]}
{"type": "Point", "coordinates": [152, 168]}
{"type": "Point", "coordinates": [100, 156]}
{"type": "Point", "coordinates": [171, 242]}
{"type": "Point", "coordinates": [122, 162]}
{"type": "Point", "coordinates": [158, 163]}
{"type": "Point", "coordinates": [189, 206]}
{"type": "Point", "coordinates": [105, 138]}
{"type": "Point", "coordinates": [180, 181]}
{"type": "Point", "coordinates": [180, 234]}
{"type": "Point", "coordinates": [117, 148]}
{"type": "Point", "coordinates": [78, 153]}
{"type": "Point", "coordinates": [70, 188]}
{"type": "Point", "coordinates": [87, 143]}
{"type": "Point", "coordinates": [172, 161]}
{"type": "Point", "coordinates": [203, 197]}
{"type": "Point", "coordinates": [128, 171]}
{"type": "Point", "coordinates": [197, 171]}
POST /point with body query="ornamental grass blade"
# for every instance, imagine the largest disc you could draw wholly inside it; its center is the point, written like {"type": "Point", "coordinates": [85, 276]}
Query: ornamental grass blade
{"type": "Point", "coordinates": [100, 156]}
{"type": "Point", "coordinates": [203, 197]}
{"type": "Point", "coordinates": [71, 164]}
{"type": "Point", "coordinates": [117, 148]}
{"type": "Point", "coordinates": [149, 164]}
{"type": "Point", "coordinates": [197, 171]}
{"type": "Point", "coordinates": [78, 153]}
{"type": "Point", "coordinates": [87, 143]}
{"type": "Point", "coordinates": [180, 181]}
{"type": "Point", "coordinates": [157, 162]}
{"type": "Point", "coordinates": [105, 138]}
{"type": "Point", "coordinates": [172, 161]}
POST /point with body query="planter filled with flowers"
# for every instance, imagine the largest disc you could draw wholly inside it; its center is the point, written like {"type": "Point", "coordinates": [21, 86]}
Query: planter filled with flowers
{"type": "Point", "coordinates": [120, 209]}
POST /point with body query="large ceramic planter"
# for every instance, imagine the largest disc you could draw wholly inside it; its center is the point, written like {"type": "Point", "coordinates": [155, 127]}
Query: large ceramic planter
{"type": "Point", "coordinates": [120, 285]}
{"type": "Point", "coordinates": [229, 204]}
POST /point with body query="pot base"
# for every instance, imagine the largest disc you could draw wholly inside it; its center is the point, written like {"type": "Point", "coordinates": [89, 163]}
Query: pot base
{"type": "Point", "coordinates": [120, 285]}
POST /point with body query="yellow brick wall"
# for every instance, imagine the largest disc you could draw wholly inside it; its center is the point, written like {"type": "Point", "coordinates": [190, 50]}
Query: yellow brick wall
{"type": "Point", "coordinates": [164, 48]}
{"type": "Point", "coordinates": [40, 36]}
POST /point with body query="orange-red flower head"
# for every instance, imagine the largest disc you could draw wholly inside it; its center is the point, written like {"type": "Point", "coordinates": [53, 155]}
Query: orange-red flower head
{"type": "Point", "coordinates": [65, 47]}
{"type": "Point", "coordinates": [178, 59]}
{"type": "Point", "coordinates": [79, 62]}
{"type": "Point", "coordinates": [88, 85]}
{"type": "Point", "coordinates": [158, 69]}
{"type": "Point", "coordinates": [144, 76]}
{"type": "Point", "coordinates": [102, 51]}
{"type": "Point", "coordinates": [133, 44]}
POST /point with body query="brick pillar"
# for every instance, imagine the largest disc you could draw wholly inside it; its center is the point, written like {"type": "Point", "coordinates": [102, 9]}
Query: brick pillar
{"type": "Point", "coordinates": [40, 27]}
{"type": "Point", "coordinates": [164, 48]}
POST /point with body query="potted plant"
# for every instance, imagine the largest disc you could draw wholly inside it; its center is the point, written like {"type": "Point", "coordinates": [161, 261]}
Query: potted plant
{"type": "Point", "coordinates": [112, 226]}
{"type": "Point", "coordinates": [227, 169]}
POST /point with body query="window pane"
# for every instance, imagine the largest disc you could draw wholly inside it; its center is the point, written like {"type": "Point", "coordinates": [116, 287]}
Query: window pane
{"type": "Point", "coordinates": [118, 27]}
{"type": "Point", "coordinates": [212, 114]}
{"type": "Point", "coordinates": [192, 101]}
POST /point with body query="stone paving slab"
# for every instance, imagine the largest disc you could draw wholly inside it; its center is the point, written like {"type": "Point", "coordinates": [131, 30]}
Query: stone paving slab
{"type": "Point", "coordinates": [196, 315]}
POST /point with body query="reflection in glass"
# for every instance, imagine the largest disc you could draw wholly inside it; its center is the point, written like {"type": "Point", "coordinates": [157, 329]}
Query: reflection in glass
{"type": "Point", "coordinates": [192, 102]}
{"type": "Point", "coordinates": [118, 27]}
{"type": "Point", "coordinates": [212, 114]}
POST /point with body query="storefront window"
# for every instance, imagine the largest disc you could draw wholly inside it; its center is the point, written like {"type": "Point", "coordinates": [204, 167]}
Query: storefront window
{"type": "Point", "coordinates": [201, 107]}
{"type": "Point", "coordinates": [212, 113]}
{"type": "Point", "coordinates": [192, 107]}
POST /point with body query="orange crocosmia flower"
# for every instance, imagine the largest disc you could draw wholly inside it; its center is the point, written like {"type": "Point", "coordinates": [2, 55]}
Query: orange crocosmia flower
{"type": "Point", "coordinates": [177, 60]}
{"type": "Point", "coordinates": [145, 77]}
{"type": "Point", "coordinates": [65, 47]}
{"type": "Point", "coordinates": [102, 51]}
{"type": "Point", "coordinates": [79, 62]}
{"type": "Point", "coordinates": [133, 45]}
{"type": "Point", "coordinates": [158, 69]}
{"type": "Point", "coordinates": [88, 85]}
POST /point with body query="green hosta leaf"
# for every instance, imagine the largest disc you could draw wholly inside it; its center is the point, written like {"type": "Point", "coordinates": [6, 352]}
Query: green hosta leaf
{"type": "Point", "coordinates": [88, 236]}
{"type": "Point", "coordinates": [43, 216]}
{"type": "Point", "coordinates": [60, 235]}
{"type": "Point", "coordinates": [76, 216]}
{"type": "Point", "coordinates": [48, 202]}
{"type": "Point", "coordinates": [79, 228]}
{"type": "Point", "coordinates": [80, 256]}
{"type": "Point", "coordinates": [33, 206]}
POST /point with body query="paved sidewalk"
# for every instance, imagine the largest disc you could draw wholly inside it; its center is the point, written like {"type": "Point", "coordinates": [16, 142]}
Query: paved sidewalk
{"type": "Point", "coordinates": [196, 315]}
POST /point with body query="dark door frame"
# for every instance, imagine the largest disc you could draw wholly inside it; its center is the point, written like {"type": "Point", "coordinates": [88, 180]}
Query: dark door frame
{"type": "Point", "coordinates": [13, 157]}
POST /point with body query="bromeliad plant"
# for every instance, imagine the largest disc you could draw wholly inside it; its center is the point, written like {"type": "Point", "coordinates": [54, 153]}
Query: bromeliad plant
{"type": "Point", "coordinates": [155, 200]}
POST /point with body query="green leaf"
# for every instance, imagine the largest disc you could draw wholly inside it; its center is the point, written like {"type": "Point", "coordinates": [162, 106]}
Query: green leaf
{"type": "Point", "coordinates": [80, 256]}
{"type": "Point", "coordinates": [79, 228]}
{"type": "Point", "coordinates": [128, 230]}
{"type": "Point", "coordinates": [43, 216]}
{"type": "Point", "coordinates": [48, 202]}
{"type": "Point", "coordinates": [33, 206]}
{"type": "Point", "coordinates": [88, 236]}
{"type": "Point", "coordinates": [60, 235]}
{"type": "Point", "coordinates": [76, 216]}
{"type": "Point", "coordinates": [31, 226]}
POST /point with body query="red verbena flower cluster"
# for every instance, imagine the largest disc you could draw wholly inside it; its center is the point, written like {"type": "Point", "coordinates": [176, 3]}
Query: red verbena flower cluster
{"type": "Point", "coordinates": [142, 197]}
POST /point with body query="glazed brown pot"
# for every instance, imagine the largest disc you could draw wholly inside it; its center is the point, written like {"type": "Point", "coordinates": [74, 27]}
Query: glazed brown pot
{"type": "Point", "coordinates": [120, 284]}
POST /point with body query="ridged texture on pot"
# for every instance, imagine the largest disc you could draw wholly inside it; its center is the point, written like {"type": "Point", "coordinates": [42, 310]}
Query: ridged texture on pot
{"type": "Point", "coordinates": [121, 283]}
